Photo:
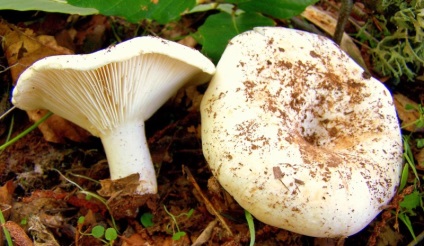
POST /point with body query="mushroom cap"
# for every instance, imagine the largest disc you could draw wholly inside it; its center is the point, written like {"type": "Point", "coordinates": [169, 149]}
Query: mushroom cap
{"type": "Point", "coordinates": [299, 135]}
{"type": "Point", "coordinates": [125, 82]}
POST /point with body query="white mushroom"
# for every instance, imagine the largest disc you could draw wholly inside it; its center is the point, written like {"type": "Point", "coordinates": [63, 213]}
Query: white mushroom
{"type": "Point", "coordinates": [112, 92]}
{"type": "Point", "coordinates": [299, 135]}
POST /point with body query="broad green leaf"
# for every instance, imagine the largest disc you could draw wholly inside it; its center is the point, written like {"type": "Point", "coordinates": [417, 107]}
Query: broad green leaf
{"type": "Point", "coordinates": [178, 235]}
{"type": "Point", "coordinates": [81, 220]}
{"type": "Point", "coordinates": [420, 143]}
{"type": "Point", "coordinates": [277, 8]}
{"type": "Point", "coordinates": [147, 220]}
{"type": "Point", "coordinates": [411, 202]}
{"type": "Point", "coordinates": [162, 11]}
{"type": "Point", "coordinates": [218, 29]}
{"type": "Point", "coordinates": [111, 234]}
{"type": "Point", "coordinates": [57, 6]}
{"type": "Point", "coordinates": [98, 231]}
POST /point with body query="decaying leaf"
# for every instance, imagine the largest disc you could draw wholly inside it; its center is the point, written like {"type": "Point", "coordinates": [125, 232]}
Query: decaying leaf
{"type": "Point", "coordinates": [40, 233]}
{"type": "Point", "coordinates": [18, 234]}
{"type": "Point", "coordinates": [419, 157]}
{"type": "Point", "coordinates": [22, 47]}
{"type": "Point", "coordinates": [56, 129]}
{"type": "Point", "coordinates": [124, 186]}
{"type": "Point", "coordinates": [407, 116]}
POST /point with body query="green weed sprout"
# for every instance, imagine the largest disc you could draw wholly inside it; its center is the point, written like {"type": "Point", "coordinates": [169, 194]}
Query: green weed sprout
{"type": "Point", "coordinates": [22, 134]}
{"type": "Point", "coordinates": [89, 195]}
{"type": "Point", "coordinates": [177, 235]}
{"type": "Point", "coordinates": [251, 226]}
{"type": "Point", "coordinates": [146, 220]}
{"type": "Point", "coordinates": [99, 232]}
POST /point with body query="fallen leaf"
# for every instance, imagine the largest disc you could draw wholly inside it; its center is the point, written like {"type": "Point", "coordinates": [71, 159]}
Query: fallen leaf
{"type": "Point", "coordinates": [41, 234]}
{"type": "Point", "coordinates": [407, 116]}
{"type": "Point", "coordinates": [134, 240]}
{"type": "Point", "coordinates": [18, 234]}
{"type": "Point", "coordinates": [22, 47]}
{"type": "Point", "coordinates": [6, 198]}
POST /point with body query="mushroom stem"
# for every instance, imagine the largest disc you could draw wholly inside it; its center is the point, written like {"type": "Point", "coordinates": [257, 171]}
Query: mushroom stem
{"type": "Point", "coordinates": [128, 153]}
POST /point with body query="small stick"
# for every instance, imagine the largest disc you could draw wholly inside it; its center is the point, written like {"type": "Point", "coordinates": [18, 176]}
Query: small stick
{"type": "Point", "coordinates": [344, 14]}
{"type": "Point", "coordinates": [7, 112]}
{"type": "Point", "coordinates": [205, 199]}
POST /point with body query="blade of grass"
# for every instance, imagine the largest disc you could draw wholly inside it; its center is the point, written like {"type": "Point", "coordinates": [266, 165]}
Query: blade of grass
{"type": "Point", "coordinates": [28, 130]}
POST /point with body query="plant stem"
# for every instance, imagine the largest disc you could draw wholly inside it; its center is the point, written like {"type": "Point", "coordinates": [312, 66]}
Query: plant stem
{"type": "Point", "coordinates": [22, 134]}
{"type": "Point", "coordinates": [5, 231]}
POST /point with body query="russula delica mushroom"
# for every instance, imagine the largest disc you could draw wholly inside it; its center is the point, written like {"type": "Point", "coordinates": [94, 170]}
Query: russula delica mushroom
{"type": "Point", "coordinates": [299, 134]}
{"type": "Point", "coordinates": [112, 92]}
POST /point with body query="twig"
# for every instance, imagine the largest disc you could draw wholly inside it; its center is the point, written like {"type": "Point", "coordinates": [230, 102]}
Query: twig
{"type": "Point", "coordinates": [417, 240]}
{"type": "Point", "coordinates": [7, 112]}
{"type": "Point", "coordinates": [344, 14]}
{"type": "Point", "coordinates": [206, 200]}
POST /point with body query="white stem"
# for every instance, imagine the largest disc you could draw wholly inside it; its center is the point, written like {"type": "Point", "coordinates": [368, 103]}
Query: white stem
{"type": "Point", "coordinates": [128, 153]}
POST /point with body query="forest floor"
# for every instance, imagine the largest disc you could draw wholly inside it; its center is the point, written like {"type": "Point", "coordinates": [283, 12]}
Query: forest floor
{"type": "Point", "coordinates": [38, 177]}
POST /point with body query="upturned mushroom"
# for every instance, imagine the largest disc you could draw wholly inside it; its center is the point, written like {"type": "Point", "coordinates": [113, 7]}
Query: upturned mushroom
{"type": "Point", "coordinates": [299, 134]}
{"type": "Point", "coordinates": [112, 92]}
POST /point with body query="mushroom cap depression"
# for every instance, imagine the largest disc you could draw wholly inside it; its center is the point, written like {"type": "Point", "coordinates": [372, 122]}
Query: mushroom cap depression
{"type": "Point", "coordinates": [299, 134]}
{"type": "Point", "coordinates": [98, 91]}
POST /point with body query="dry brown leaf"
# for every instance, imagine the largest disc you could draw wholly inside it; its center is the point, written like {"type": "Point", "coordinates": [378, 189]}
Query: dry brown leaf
{"type": "Point", "coordinates": [420, 159]}
{"type": "Point", "coordinates": [6, 200]}
{"type": "Point", "coordinates": [56, 129]}
{"type": "Point", "coordinates": [123, 186]}
{"type": "Point", "coordinates": [327, 23]}
{"type": "Point", "coordinates": [18, 234]}
{"type": "Point", "coordinates": [41, 234]}
{"type": "Point", "coordinates": [134, 240]}
{"type": "Point", "coordinates": [22, 48]}
{"type": "Point", "coordinates": [408, 117]}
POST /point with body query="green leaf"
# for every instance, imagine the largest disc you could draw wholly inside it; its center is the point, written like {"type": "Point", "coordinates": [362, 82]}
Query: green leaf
{"type": "Point", "coordinates": [57, 6]}
{"type": "Point", "coordinates": [420, 143]}
{"type": "Point", "coordinates": [162, 11]}
{"type": "Point", "coordinates": [411, 202]}
{"type": "Point", "coordinates": [147, 219]}
{"type": "Point", "coordinates": [405, 219]}
{"type": "Point", "coordinates": [178, 235]}
{"type": "Point", "coordinates": [219, 28]}
{"type": "Point", "coordinates": [277, 8]}
{"type": "Point", "coordinates": [251, 225]}
{"type": "Point", "coordinates": [81, 220]}
{"type": "Point", "coordinates": [111, 234]}
{"type": "Point", "coordinates": [410, 107]}
{"type": "Point", "coordinates": [98, 231]}
{"type": "Point", "coordinates": [404, 177]}
{"type": "Point", "coordinates": [190, 213]}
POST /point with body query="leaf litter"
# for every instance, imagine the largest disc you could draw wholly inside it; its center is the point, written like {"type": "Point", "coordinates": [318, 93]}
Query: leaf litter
{"type": "Point", "coordinates": [44, 208]}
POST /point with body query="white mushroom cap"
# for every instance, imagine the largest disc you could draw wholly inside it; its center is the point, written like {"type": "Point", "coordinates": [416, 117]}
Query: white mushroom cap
{"type": "Point", "coordinates": [299, 135]}
{"type": "Point", "coordinates": [112, 92]}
